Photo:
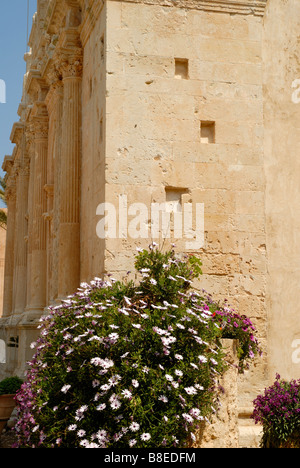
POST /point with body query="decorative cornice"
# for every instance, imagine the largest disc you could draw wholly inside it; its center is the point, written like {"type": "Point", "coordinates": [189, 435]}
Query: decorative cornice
{"type": "Point", "coordinates": [91, 13]}
{"type": "Point", "coordinates": [69, 39]}
{"type": "Point", "coordinates": [60, 14]}
{"type": "Point", "coordinates": [243, 7]}
{"type": "Point", "coordinates": [36, 86]}
{"type": "Point", "coordinates": [7, 163]}
{"type": "Point", "coordinates": [55, 16]}
{"type": "Point", "coordinates": [17, 132]}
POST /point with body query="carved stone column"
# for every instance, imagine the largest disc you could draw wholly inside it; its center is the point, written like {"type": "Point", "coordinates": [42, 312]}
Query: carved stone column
{"type": "Point", "coordinates": [8, 322]}
{"type": "Point", "coordinates": [31, 154]}
{"type": "Point", "coordinates": [10, 195]}
{"type": "Point", "coordinates": [39, 207]}
{"type": "Point", "coordinates": [20, 249]}
{"type": "Point", "coordinates": [20, 274]}
{"type": "Point", "coordinates": [54, 102]}
{"type": "Point", "coordinates": [70, 173]}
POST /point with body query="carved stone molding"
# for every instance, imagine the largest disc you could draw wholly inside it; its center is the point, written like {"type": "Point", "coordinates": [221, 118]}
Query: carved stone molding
{"type": "Point", "coordinates": [92, 10]}
{"type": "Point", "coordinates": [73, 15]}
{"type": "Point", "coordinates": [7, 164]}
{"type": "Point", "coordinates": [36, 87]}
{"type": "Point", "coordinates": [60, 14]}
{"type": "Point", "coordinates": [55, 16]}
{"type": "Point", "coordinates": [243, 7]}
{"type": "Point", "coordinates": [17, 133]}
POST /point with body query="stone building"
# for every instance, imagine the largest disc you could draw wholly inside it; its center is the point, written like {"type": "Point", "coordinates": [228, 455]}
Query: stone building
{"type": "Point", "coordinates": [183, 102]}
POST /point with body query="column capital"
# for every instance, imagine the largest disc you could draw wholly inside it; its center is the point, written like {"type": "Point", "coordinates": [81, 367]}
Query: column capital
{"type": "Point", "coordinates": [25, 165]}
{"type": "Point", "coordinates": [40, 128]}
{"type": "Point", "coordinates": [10, 190]}
{"type": "Point", "coordinates": [39, 121]}
{"type": "Point", "coordinates": [10, 178]}
{"type": "Point", "coordinates": [69, 62]}
{"type": "Point", "coordinates": [29, 133]}
{"type": "Point", "coordinates": [52, 75]}
{"type": "Point", "coordinates": [53, 78]}
{"type": "Point", "coordinates": [68, 55]}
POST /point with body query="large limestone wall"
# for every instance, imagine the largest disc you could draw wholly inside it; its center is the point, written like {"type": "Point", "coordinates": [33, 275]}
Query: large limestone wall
{"type": "Point", "coordinates": [93, 148]}
{"type": "Point", "coordinates": [282, 167]}
{"type": "Point", "coordinates": [153, 140]}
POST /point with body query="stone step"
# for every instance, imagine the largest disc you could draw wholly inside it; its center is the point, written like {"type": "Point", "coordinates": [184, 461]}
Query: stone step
{"type": "Point", "coordinates": [249, 432]}
{"type": "Point", "coordinates": [249, 436]}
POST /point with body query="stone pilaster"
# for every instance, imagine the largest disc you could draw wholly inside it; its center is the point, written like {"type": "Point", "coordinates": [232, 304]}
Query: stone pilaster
{"type": "Point", "coordinates": [20, 248]}
{"type": "Point", "coordinates": [54, 102]}
{"type": "Point", "coordinates": [29, 216]}
{"type": "Point", "coordinates": [10, 195]}
{"type": "Point", "coordinates": [20, 254]}
{"type": "Point", "coordinates": [70, 173]}
{"type": "Point", "coordinates": [37, 300]}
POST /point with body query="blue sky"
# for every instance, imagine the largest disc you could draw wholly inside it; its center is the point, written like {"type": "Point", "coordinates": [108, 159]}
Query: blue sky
{"type": "Point", "coordinates": [13, 34]}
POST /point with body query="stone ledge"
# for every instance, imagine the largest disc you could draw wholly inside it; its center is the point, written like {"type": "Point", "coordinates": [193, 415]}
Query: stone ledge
{"type": "Point", "coordinates": [250, 436]}
{"type": "Point", "coordinates": [249, 433]}
{"type": "Point", "coordinates": [243, 7]}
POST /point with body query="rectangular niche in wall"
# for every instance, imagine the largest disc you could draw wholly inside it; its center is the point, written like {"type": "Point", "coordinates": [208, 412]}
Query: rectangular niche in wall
{"type": "Point", "coordinates": [207, 131]}
{"type": "Point", "coordinates": [101, 130]}
{"type": "Point", "coordinates": [181, 69]}
{"type": "Point", "coordinates": [174, 211]}
{"type": "Point", "coordinates": [102, 48]}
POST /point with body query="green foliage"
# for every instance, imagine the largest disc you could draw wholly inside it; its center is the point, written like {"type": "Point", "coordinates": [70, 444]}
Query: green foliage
{"type": "Point", "coordinates": [10, 385]}
{"type": "Point", "coordinates": [120, 364]}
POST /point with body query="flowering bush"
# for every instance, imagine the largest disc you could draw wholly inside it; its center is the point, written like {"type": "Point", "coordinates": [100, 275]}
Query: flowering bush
{"type": "Point", "coordinates": [241, 328]}
{"type": "Point", "coordinates": [278, 410]}
{"type": "Point", "coordinates": [125, 365]}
